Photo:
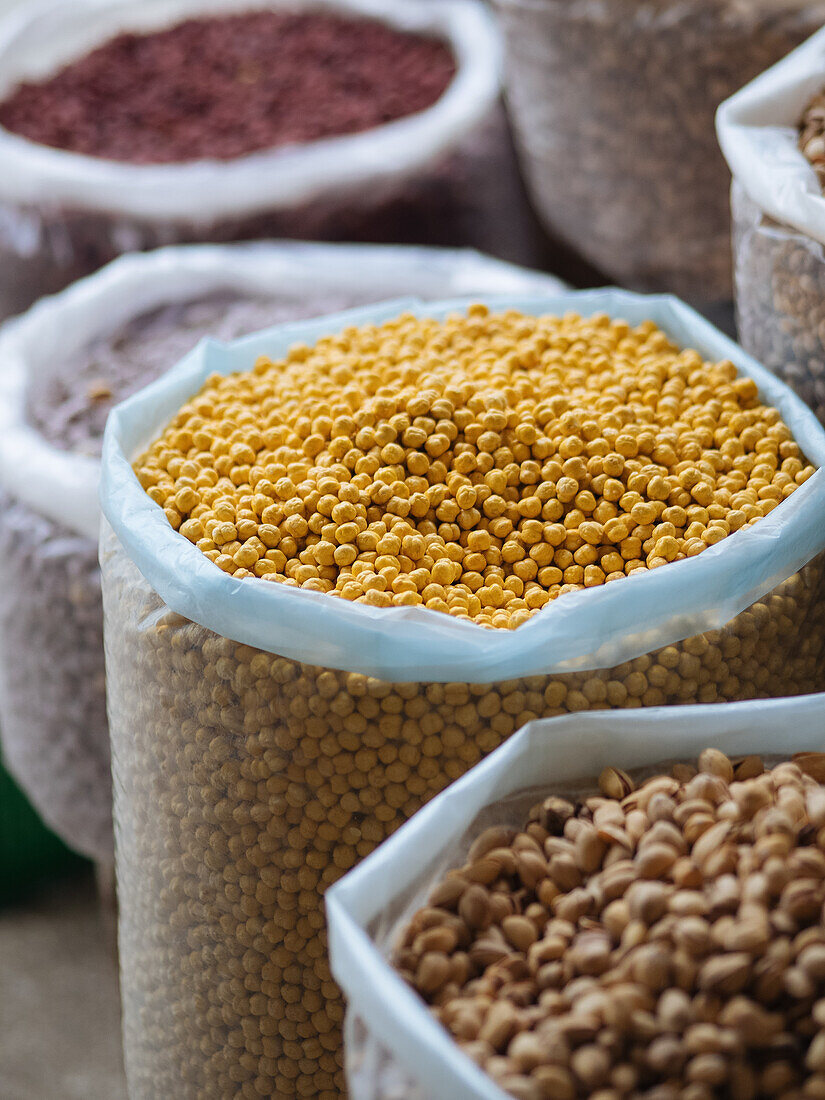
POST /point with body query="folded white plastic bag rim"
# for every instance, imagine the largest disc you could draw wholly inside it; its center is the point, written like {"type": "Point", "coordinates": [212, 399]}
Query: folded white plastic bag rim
{"type": "Point", "coordinates": [37, 39]}
{"type": "Point", "coordinates": [365, 909]}
{"type": "Point", "coordinates": [63, 486]}
{"type": "Point", "coordinates": [757, 130]}
{"type": "Point", "coordinates": [592, 628]}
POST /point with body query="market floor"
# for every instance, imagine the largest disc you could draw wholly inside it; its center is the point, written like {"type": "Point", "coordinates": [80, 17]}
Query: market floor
{"type": "Point", "coordinates": [59, 1007]}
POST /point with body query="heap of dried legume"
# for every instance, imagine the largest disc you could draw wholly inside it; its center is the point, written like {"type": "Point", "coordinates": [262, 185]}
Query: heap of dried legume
{"type": "Point", "coordinates": [812, 134]}
{"type": "Point", "coordinates": [659, 942]}
{"type": "Point", "coordinates": [263, 79]}
{"type": "Point", "coordinates": [480, 466]}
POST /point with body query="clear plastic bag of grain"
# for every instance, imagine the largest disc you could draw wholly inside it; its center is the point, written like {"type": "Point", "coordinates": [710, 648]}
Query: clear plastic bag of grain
{"type": "Point", "coordinates": [780, 298]}
{"type": "Point", "coordinates": [247, 783]}
{"type": "Point", "coordinates": [64, 367]}
{"type": "Point", "coordinates": [612, 103]}
{"type": "Point", "coordinates": [772, 135]}
{"type": "Point", "coordinates": [721, 1034]}
{"type": "Point", "coordinates": [104, 154]}
{"type": "Point", "coordinates": [266, 738]}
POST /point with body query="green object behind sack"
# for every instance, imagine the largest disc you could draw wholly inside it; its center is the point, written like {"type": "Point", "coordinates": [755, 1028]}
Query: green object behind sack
{"type": "Point", "coordinates": [29, 852]}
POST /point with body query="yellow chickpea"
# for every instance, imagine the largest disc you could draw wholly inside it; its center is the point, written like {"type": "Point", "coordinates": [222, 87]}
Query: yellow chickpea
{"type": "Point", "coordinates": [433, 478]}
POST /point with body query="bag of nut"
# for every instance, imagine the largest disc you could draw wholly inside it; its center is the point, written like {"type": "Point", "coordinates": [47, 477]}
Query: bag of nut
{"type": "Point", "coordinates": [612, 103]}
{"type": "Point", "coordinates": [130, 126]}
{"type": "Point", "coordinates": [610, 904]}
{"type": "Point", "coordinates": [772, 135]}
{"type": "Point", "coordinates": [64, 365]}
{"type": "Point", "coordinates": [267, 736]}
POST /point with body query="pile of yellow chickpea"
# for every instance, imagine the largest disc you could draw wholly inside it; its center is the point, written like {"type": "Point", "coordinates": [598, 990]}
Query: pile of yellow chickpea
{"type": "Point", "coordinates": [481, 466]}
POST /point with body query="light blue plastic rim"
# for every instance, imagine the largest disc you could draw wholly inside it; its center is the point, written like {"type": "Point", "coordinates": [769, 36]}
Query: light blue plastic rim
{"type": "Point", "coordinates": [588, 629]}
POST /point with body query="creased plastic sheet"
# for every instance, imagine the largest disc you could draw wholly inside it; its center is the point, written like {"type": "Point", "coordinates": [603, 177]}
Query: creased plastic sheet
{"type": "Point", "coordinates": [757, 129]}
{"type": "Point", "coordinates": [395, 1046]}
{"type": "Point", "coordinates": [588, 629]}
{"type": "Point", "coordinates": [52, 680]}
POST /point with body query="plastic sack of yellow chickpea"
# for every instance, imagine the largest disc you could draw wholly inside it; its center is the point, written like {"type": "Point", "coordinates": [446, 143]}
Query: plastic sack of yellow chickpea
{"type": "Point", "coordinates": [396, 1048]}
{"type": "Point", "coordinates": [267, 736]}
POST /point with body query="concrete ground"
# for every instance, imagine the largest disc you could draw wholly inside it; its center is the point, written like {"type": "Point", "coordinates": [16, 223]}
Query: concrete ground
{"type": "Point", "coordinates": [59, 1004]}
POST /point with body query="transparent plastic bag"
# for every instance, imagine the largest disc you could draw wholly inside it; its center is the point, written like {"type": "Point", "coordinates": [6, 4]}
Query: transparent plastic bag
{"type": "Point", "coordinates": [372, 1072]}
{"type": "Point", "coordinates": [395, 1048]}
{"type": "Point", "coordinates": [779, 222]}
{"type": "Point", "coordinates": [52, 679]}
{"type": "Point", "coordinates": [612, 103]}
{"type": "Point", "coordinates": [53, 707]}
{"type": "Point", "coordinates": [246, 783]}
{"type": "Point", "coordinates": [444, 176]}
{"type": "Point", "coordinates": [779, 276]}
{"type": "Point", "coordinates": [258, 728]}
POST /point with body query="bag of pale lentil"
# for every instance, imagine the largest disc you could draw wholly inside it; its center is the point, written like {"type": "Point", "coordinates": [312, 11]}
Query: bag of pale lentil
{"type": "Point", "coordinates": [399, 136]}
{"type": "Point", "coordinates": [778, 207]}
{"type": "Point", "coordinates": [395, 1048]}
{"type": "Point", "coordinates": [612, 105]}
{"type": "Point", "coordinates": [266, 737]}
{"type": "Point", "coordinates": [64, 365]}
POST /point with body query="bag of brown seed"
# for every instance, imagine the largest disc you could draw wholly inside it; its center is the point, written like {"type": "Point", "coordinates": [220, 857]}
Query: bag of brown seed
{"type": "Point", "coordinates": [772, 135]}
{"type": "Point", "coordinates": [130, 126]}
{"type": "Point", "coordinates": [64, 365]}
{"type": "Point", "coordinates": [547, 977]}
{"type": "Point", "coordinates": [612, 105]}
{"type": "Point", "coordinates": [266, 738]}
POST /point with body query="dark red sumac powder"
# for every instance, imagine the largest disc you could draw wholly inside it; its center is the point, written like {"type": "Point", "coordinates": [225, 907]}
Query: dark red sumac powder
{"type": "Point", "coordinates": [230, 85]}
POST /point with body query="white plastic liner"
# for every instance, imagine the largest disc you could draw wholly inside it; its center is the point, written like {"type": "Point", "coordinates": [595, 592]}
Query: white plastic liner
{"type": "Point", "coordinates": [757, 130]}
{"type": "Point", "coordinates": [40, 37]}
{"type": "Point", "coordinates": [64, 486]}
{"type": "Point", "coordinates": [594, 628]}
{"type": "Point", "coordinates": [395, 1047]}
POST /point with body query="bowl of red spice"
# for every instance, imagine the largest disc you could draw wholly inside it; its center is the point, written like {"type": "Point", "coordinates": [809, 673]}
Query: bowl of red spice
{"type": "Point", "coordinates": [218, 86]}
{"type": "Point", "coordinates": [128, 126]}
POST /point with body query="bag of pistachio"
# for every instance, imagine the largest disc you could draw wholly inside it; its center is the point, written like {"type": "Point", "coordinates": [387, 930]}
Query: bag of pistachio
{"type": "Point", "coordinates": [64, 365]}
{"type": "Point", "coordinates": [612, 103]}
{"type": "Point", "coordinates": [337, 578]}
{"type": "Point", "coordinates": [130, 126]}
{"type": "Point", "coordinates": [773, 135]}
{"type": "Point", "coordinates": [580, 913]}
